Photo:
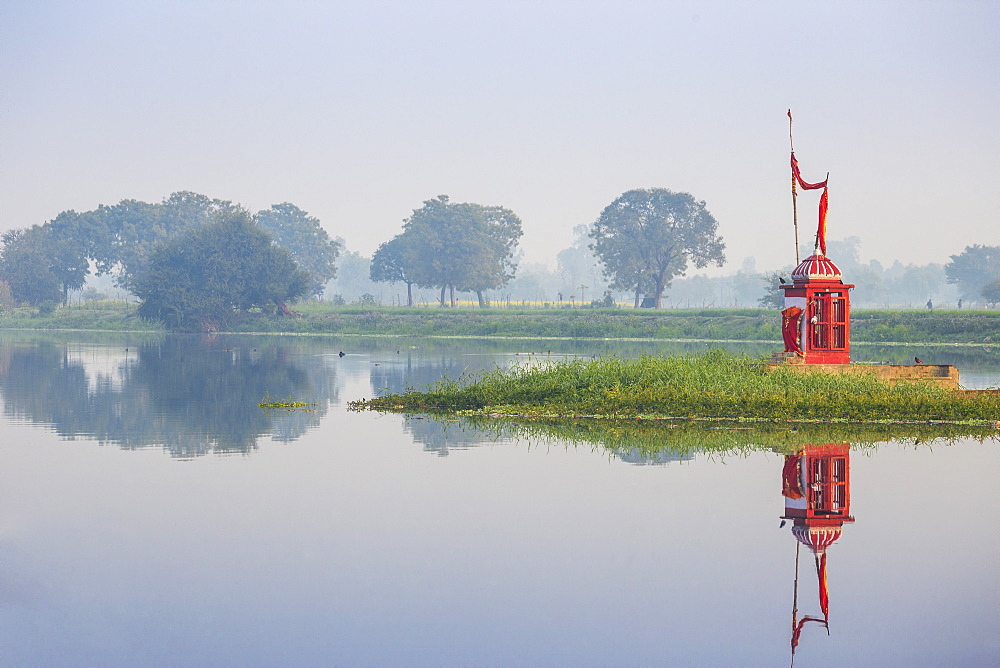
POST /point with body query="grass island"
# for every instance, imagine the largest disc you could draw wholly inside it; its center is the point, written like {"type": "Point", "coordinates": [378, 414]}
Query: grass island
{"type": "Point", "coordinates": [715, 385]}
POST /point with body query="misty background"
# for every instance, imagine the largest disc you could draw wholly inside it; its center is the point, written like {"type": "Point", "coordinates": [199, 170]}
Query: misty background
{"type": "Point", "coordinates": [357, 112]}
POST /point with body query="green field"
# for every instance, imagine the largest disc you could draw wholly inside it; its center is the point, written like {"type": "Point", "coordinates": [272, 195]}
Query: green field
{"type": "Point", "coordinates": [871, 326]}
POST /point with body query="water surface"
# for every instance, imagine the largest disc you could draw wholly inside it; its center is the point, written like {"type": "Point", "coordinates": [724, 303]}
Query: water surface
{"type": "Point", "coordinates": [152, 514]}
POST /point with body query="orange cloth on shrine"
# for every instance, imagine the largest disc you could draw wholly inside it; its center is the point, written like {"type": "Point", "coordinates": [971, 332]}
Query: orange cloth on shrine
{"type": "Point", "coordinates": [790, 329]}
{"type": "Point", "coordinates": [791, 483]}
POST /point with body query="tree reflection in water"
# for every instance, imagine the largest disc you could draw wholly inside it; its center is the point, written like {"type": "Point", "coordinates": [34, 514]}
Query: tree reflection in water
{"type": "Point", "coordinates": [189, 395]}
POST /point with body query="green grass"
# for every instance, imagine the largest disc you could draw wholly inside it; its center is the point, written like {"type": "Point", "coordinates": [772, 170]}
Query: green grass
{"type": "Point", "coordinates": [714, 385]}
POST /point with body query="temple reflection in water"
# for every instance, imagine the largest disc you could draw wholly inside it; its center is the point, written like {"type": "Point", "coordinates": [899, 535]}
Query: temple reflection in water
{"type": "Point", "coordinates": [816, 484]}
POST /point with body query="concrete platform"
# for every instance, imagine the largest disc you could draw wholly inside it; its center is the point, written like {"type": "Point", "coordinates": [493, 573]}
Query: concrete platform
{"type": "Point", "coordinates": [944, 375]}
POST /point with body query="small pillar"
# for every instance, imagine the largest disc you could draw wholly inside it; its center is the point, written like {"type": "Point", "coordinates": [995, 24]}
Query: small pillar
{"type": "Point", "coordinates": [825, 327]}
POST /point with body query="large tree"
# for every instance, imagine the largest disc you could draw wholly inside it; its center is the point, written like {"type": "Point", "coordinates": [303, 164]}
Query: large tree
{"type": "Point", "coordinates": [460, 246]}
{"type": "Point", "coordinates": [203, 277]}
{"type": "Point", "coordinates": [25, 267]}
{"type": "Point", "coordinates": [973, 269]}
{"type": "Point", "coordinates": [302, 234]}
{"type": "Point", "coordinates": [647, 237]}
{"type": "Point", "coordinates": [40, 265]}
{"type": "Point", "coordinates": [126, 233]}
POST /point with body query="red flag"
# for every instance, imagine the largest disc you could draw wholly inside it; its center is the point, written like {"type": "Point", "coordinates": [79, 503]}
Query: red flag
{"type": "Point", "coordinates": [797, 629]}
{"type": "Point", "coordinates": [824, 203]}
{"type": "Point", "coordinates": [824, 595]}
{"type": "Point", "coordinates": [798, 177]}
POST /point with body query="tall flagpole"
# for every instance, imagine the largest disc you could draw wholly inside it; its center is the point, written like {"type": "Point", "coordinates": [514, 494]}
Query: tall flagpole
{"type": "Point", "coordinates": [795, 209]}
{"type": "Point", "coordinates": [795, 599]}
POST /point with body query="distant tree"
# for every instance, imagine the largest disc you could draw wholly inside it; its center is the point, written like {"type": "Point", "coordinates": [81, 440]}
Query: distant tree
{"type": "Point", "coordinates": [846, 253]}
{"type": "Point", "coordinates": [302, 234]}
{"type": "Point", "coordinates": [461, 246]}
{"type": "Point", "coordinates": [353, 275]}
{"type": "Point", "coordinates": [991, 293]}
{"type": "Point", "coordinates": [388, 265]}
{"type": "Point", "coordinates": [577, 265]}
{"type": "Point", "coordinates": [497, 231]}
{"type": "Point", "coordinates": [84, 236]}
{"type": "Point", "coordinates": [68, 258]}
{"type": "Point", "coordinates": [914, 284]}
{"type": "Point", "coordinates": [973, 269]}
{"type": "Point", "coordinates": [201, 278]}
{"type": "Point", "coordinates": [120, 239]}
{"type": "Point", "coordinates": [39, 267]}
{"type": "Point", "coordinates": [534, 282]}
{"type": "Point", "coordinates": [647, 237]}
{"type": "Point", "coordinates": [131, 229]}
{"type": "Point", "coordinates": [774, 296]}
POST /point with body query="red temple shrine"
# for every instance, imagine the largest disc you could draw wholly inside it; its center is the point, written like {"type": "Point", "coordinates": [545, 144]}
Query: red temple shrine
{"type": "Point", "coordinates": [816, 319]}
{"type": "Point", "coordinates": [820, 303]}
{"type": "Point", "coordinates": [816, 484]}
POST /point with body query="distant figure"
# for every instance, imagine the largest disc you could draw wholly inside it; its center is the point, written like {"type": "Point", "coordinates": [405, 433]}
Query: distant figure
{"type": "Point", "coordinates": [959, 303]}
{"type": "Point", "coordinates": [930, 305]}
{"type": "Point", "coordinates": [341, 353]}
{"type": "Point", "coordinates": [918, 360]}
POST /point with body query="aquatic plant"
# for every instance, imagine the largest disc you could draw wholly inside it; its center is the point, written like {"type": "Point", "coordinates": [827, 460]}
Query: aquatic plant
{"type": "Point", "coordinates": [289, 402]}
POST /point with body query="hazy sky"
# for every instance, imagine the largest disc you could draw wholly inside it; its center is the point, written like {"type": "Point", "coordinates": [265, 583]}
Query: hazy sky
{"type": "Point", "coordinates": [359, 111]}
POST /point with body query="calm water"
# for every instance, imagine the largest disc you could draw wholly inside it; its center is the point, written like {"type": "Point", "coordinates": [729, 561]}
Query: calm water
{"type": "Point", "coordinates": [152, 514]}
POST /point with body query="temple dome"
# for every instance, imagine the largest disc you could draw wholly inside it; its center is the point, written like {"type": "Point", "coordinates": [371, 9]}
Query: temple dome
{"type": "Point", "coordinates": [816, 267]}
{"type": "Point", "coordinates": [816, 539]}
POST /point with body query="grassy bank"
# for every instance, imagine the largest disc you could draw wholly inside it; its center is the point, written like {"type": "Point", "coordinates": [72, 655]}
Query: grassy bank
{"type": "Point", "coordinates": [109, 316]}
{"type": "Point", "coordinates": [971, 327]}
{"type": "Point", "coordinates": [716, 385]}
